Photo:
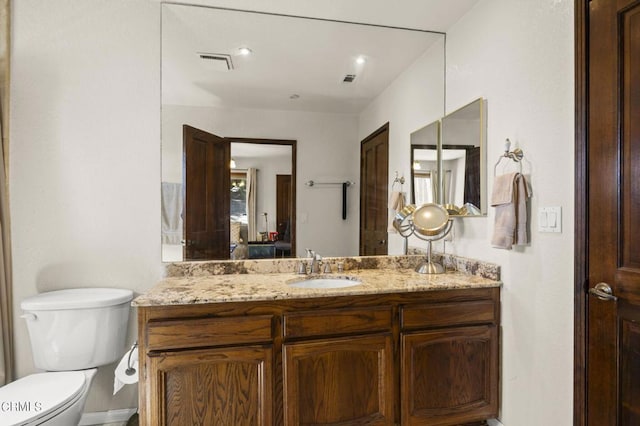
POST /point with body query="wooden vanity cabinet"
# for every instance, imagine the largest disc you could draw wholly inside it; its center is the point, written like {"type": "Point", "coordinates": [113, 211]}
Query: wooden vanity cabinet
{"type": "Point", "coordinates": [449, 362]}
{"type": "Point", "coordinates": [338, 366]}
{"type": "Point", "coordinates": [194, 367]}
{"type": "Point", "coordinates": [424, 358]}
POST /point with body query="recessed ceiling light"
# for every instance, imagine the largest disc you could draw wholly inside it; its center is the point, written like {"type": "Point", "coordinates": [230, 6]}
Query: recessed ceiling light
{"type": "Point", "coordinates": [245, 51]}
{"type": "Point", "coordinates": [361, 60]}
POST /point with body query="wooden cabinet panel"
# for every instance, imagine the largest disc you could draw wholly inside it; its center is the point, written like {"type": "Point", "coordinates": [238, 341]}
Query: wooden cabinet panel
{"type": "Point", "coordinates": [449, 376]}
{"type": "Point", "coordinates": [448, 314]}
{"type": "Point", "coordinates": [337, 321]}
{"type": "Point", "coordinates": [339, 381]}
{"type": "Point", "coordinates": [227, 386]}
{"type": "Point", "coordinates": [199, 332]}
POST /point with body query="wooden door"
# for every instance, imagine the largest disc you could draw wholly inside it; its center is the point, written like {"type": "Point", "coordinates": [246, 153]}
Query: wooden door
{"type": "Point", "coordinates": [374, 174]}
{"type": "Point", "coordinates": [284, 208]}
{"type": "Point", "coordinates": [225, 386]}
{"type": "Point", "coordinates": [449, 376]}
{"type": "Point", "coordinates": [207, 181]}
{"type": "Point", "coordinates": [342, 381]}
{"type": "Point", "coordinates": [611, 290]}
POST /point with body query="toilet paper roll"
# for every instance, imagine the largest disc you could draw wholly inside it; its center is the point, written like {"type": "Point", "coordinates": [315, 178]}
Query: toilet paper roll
{"type": "Point", "coordinates": [126, 373]}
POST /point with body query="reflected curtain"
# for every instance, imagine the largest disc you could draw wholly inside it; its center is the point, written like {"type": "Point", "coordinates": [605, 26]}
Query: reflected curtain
{"type": "Point", "coordinates": [6, 285]}
{"type": "Point", "coordinates": [423, 188]}
{"type": "Point", "coordinates": [252, 189]}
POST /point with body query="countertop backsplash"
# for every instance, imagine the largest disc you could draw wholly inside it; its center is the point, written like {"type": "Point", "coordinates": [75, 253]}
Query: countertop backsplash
{"type": "Point", "coordinates": [289, 265]}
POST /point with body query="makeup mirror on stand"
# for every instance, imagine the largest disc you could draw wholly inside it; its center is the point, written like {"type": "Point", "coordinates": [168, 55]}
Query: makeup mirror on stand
{"type": "Point", "coordinates": [429, 222]}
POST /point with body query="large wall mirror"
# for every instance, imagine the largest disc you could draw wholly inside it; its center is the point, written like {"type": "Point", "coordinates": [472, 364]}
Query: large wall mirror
{"type": "Point", "coordinates": [303, 84]}
{"type": "Point", "coordinates": [449, 165]}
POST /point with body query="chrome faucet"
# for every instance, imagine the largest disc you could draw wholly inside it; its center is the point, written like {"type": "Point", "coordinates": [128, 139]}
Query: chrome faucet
{"type": "Point", "coordinates": [316, 259]}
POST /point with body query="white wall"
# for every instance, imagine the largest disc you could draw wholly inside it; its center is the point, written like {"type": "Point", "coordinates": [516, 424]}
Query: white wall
{"type": "Point", "coordinates": [519, 56]}
{"type": "Point", "coordinates": [328, 150]}
{"type": "Point", "coordinates": [85, 158]}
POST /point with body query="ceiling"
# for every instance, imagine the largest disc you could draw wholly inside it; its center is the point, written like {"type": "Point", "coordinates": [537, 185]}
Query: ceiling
{"type": "Point", "coordinates": [435, 15]}
{"type": "Point", "coordinates": [296, 64]}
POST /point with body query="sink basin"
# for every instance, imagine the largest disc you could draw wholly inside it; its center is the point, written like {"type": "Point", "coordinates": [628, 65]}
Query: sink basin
{"type": "Point", "coordinates": [326, 282]}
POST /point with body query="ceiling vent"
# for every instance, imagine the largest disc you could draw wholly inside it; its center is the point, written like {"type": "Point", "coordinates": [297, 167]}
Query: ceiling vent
{"type": "Point", "coordinates": [217, 61]}
{"type": "Point", "coordinates": [349, 78]}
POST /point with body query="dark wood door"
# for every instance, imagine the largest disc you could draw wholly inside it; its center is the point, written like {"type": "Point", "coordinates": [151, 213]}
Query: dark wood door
{"type": "Point", "coordinates": [613, 214]}
{"type": "Point", "coordinates": [207, 181]}
{"type": "Point", "coordinates": [374, 174]}
{"type": "Point", "coordinates": [284, 210]}
{"type": "Point", "coordinates": [449, 376]}
{"type": "Point", "coordinates": [342, 381]}
{"type": "Point", "coordinates": [226, 386]}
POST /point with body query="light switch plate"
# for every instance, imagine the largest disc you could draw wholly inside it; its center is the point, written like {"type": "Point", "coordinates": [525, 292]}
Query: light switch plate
{"type": "Point", "coordinates": [550, 219]}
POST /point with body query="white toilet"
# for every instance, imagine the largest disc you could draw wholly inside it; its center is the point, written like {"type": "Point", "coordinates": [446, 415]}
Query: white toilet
{"type": "Point", "coordinates": [72, 332]}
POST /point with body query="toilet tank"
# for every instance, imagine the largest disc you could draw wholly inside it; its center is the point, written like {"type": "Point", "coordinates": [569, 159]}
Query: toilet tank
{"type": "Point", "coordinates": [77, 329]}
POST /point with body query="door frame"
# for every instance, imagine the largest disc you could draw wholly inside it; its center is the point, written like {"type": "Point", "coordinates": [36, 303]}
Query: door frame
{"type": "Point", "coordinates": [581, 201]}
{"type": "Point", "coordinates": [378, 131]}
{"type": "Point", "coordinates": [293, 144]}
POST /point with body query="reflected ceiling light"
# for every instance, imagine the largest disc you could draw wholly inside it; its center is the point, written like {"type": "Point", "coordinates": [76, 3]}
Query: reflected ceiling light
{"type": "Point", "coordinates": [232, 163]}
{"type": "Point", "coordinates": [416, 165]}
{"type": "Point", "coordinates": [244, 51]}
{"type": "Point", "coordinates": [361, 60]}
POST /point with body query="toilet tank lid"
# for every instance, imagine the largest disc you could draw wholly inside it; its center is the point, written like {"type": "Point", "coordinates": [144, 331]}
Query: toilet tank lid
{"type": "Point", "coordinates": [77, 298]}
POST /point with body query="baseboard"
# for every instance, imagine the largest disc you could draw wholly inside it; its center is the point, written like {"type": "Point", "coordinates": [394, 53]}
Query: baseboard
{"type": "Point", "coordinates": [106, 417]}
{"type": "Point", "coordinates": [115, 416]}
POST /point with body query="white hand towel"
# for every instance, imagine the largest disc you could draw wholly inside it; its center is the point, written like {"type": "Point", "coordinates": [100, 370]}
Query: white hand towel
{"type": "Point", "coordinates": [396, 203]}
{"type": "Point", "coordinates": [509, 197]}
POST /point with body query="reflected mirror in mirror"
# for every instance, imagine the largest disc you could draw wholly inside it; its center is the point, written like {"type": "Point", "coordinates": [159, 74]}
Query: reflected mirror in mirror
{"type": "Point", "coordinates": [463, 160]}
{"type": "Point", "coordinates": [300, 82]}
{"type": "Point", "coordinates": [424, 164]}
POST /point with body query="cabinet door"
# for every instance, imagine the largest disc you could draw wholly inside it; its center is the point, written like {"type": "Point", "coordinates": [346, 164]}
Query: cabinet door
{"type": "Point", "coordinates": [343, 381]}
{"type": "Point", "coordinates": [225, 387]}
{"type": "Point", "coordinates": [449, 376]}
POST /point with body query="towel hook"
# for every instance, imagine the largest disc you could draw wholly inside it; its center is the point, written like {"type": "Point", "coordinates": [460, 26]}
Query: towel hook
{"type": "Point", "coordinates": [399, 180]}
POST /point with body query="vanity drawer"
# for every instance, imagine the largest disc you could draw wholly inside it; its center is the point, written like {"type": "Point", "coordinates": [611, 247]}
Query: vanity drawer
{"type": "Point", "coordinates": [336, 321]}
{"type": "Point", "coordinates": [201, 332]}
{"type": "Point", "coordinates": [447, 314]}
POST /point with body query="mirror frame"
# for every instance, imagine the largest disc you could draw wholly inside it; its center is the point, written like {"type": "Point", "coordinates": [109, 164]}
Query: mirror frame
{"type": "Point", "coordinates": [415, 146]}
{"type": "Point", "coordinates": [293, 144]}
{"type": "Point", "coordinates": [413, 173]}
{"type": "Point", "coordinates": [483, 154]}
{"type": "Point", "coordinates": [441, 144]}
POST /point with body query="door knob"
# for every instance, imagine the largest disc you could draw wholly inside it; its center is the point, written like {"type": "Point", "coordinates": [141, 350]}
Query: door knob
{"type": "Point", "coordinates": [603, 292]}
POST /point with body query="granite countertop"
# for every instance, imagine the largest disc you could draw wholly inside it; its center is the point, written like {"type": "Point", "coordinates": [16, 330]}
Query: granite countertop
{"type": "Point", "coordinates": [190, 289]}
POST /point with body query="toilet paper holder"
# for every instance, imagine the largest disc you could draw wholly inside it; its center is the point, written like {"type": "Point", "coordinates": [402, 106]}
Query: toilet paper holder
{"type": "Point", "coordinates": [130, 371]}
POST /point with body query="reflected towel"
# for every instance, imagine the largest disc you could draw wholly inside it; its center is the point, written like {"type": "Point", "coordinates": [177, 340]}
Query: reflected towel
{"type": "Point", "coordinates": [509, 197]}
{"type": "Point", "coordinates": [396, 203]}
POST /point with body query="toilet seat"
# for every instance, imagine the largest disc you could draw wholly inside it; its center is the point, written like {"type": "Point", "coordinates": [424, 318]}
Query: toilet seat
{"type": "Point", "coordinates": [35, 398]}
